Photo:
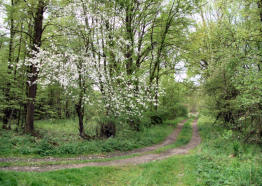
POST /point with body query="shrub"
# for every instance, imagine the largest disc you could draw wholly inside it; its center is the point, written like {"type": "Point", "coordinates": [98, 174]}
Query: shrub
{"type": "Point", "coordinates": [45, 147]}
{"type": "Point", "coordinates": [180, 110]}
{"type": "Point", "coordinates": [236, 148]}
{"type": "Point", "coordinates": [107, 127]}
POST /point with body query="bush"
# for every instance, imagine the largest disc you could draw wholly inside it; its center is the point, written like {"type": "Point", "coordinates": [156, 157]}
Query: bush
{"type": "Point", "coordinates": [107, 127]}
{"type": "Point", "coordinates": [180, 110]}
{"type": "Point", "coordinates": [156, 117]}
{"type": "Point", "coordinates": [171, 112]}
{"type": "Point", "coordinates": [145, 122]}
{"type": "Point", "coordinates": [46, 147]}
{"type": "Point", "coordinates": [69, 148]}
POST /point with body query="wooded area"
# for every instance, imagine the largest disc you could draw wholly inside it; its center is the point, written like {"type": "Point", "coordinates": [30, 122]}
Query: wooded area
{"type": "Point", "coordinates": [105, 59]}
{"type": "Point", "coordinates": [111, 80]}
{"type": "Point", "coordinates": [62, 59]}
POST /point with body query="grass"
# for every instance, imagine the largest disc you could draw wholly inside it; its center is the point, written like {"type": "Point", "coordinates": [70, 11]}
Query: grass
{"type": "Point", "coordinates": [211, 163]}
{"type": "Point", "coordinates": [166, 172]}
{"type": "Point", "coordinates": [182, 139]}
{"type": "Point", "coordinates": [172, 124]}
{"type": "Point", "coordinates": [218, 162]}
{"type": "Point", "coordinates": [174, 121]}
{"type": "Point", "coordinates": [66, 143]}
{"type": "Point", "coordinates": [64, 126]}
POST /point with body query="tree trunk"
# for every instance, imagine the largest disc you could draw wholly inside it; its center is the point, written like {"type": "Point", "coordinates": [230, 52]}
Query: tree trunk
{"type": "Point", "coordinates": [80, 114]}
{"type": "Point", "coordinates": [31, 82]}
{"type": "Point", "coordinates": [80, 109]}
{"type": "Point", "coordinates": [8, 110]}
{"type": "Point", "coordinates": [129, 46]}
{"type": "Point", "coordinates": [259, 4]}
{"type": "Point", "coordinates": [30, 108]}
{"type": "Point", "coordinates": [157, 88]}
{"type": "Point", "coordinates": [67, 112]}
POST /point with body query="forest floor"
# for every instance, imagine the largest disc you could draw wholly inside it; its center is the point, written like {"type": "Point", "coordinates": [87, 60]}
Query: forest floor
{"type": "Point", "coordinates": [143, 155]}
{"type": "Point", "coordinates": [220, 159]}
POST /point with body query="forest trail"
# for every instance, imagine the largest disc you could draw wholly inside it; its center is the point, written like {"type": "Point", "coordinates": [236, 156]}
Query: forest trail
{"type": "Point", "coordinates": [195, 140]}
{"type": "Point", "coordinates": [169, 140]}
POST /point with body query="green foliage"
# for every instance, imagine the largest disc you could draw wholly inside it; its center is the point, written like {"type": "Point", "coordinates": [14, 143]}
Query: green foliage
{"type": "Point", "coordinates": [63, 126]}
{"type": "Point", "coordinates": [174, 121]}
{"type": "Point", "coordinates": [229, 64]}
{"type": "Point", "coordinates": [220, 173]}
{"type": "Point", "coordinates": [45, 147]}
{"type": "Point", "coordinates": [236, 148]}
{"type": "Point", "coordinates": [59, 138]}
{"type": "Point", "coordinates": [224, 159]}
{"type": "Point", "coordinates": [172, 103]}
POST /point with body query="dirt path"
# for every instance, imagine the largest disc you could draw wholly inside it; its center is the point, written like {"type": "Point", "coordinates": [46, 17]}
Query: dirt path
{"type": "Point", "coordinates": [195, 140]}
{"type": "Point", "coordinates": [169, 140]}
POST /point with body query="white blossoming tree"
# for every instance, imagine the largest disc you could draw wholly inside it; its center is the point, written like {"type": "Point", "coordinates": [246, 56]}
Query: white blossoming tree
{"type": "Point", "coordinates": [120, 47]}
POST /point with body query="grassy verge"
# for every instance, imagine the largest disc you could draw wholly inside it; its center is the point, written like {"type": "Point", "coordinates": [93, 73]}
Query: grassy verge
{"type": "Point", "coordinates": [182, 139]}
{"type": "Point", "coordinates": [166, 172]}
{"type": "Point", "coordinates": [66, 145]}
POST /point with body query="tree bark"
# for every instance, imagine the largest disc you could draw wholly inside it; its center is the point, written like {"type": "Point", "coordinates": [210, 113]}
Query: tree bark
{"type": "Point", "coordinates": [31, 82]}
{"type": "Point", "coordinates": [259, 4]}
{"type": "Point", "coordinates": [130, 37]}
{"type": "Point", "coordinates": [80, 113]}
{"type": "Point", "coordinates": [8, 110]}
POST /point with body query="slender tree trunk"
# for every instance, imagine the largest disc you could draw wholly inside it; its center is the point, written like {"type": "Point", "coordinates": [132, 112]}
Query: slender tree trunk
{"type": "Point", "coordinates": [19, 117]}
{"type": "Point", "coordinates": [8, 110]}
{"type": "Point", "coordinates": [33, 71]}
{"type": "Point", "coordinates": [130, 37]}
{"type": "Point", "coordinates": [80, 113]}
{"type": "Point", "coordinates": [80, 109]}
{"type": "Point", "coordinates": [259, 4]}
{"type": "Point", "coordinates": [157, 87]}
{"type": "Point", "coordinates": [15, 78]}
{"type": "Point", "coordinates": [67, 112]}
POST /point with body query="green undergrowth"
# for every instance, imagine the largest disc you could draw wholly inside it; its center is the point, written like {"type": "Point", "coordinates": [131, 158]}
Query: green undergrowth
{"type": "Point", "coordinates": [174, 121]}
{"type": "Point", "coordinates": [62, 126]}
{"type": "Point", "coordinates": [220, 159]}
{"type": "Point", "coordinates": [99, 158]}
{"type": "Point", "coordinates": [225, 160]}
{"type": "Point", "coordinates": [183, 137]}
{"type": "Point", "coordinates": [65, 144]}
